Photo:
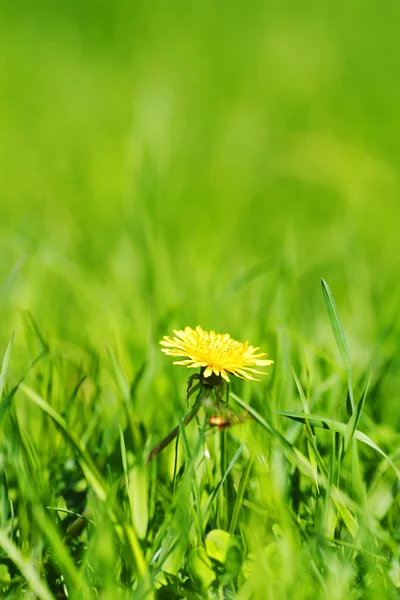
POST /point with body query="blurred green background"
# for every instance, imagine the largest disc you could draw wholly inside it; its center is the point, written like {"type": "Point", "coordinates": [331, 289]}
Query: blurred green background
{"type": "Point", "coordinates": [165, 164]}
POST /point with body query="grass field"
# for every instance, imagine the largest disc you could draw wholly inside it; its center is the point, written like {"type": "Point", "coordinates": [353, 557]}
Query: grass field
{"type": "Point", "coordinates": [174, 164]}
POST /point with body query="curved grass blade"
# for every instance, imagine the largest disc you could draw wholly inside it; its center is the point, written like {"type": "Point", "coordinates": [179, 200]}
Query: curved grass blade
{"type": "Point", "coordinates": [31, 321]}
{"type": "Point", "coordinates": [339, 337]}
{"type": "Point", "coordinates": [337, 426]}
{"type": "Point", "coordinates": [94, 478]}
{"type": "Point", "coordinates": [71, 512]}
{"type": "Point", "coordinates": [27, 568]}
{"type": "Point", "coordinates": [6, 403]}
{"type": "Point", "coordinates": [303, 398]}
{"type": "Point", "coordinates": [85, 461]}
{"type": "Point", "coordinates": [124, 388]}
{"type": "Point", "coordinates": [137, 490]}
{"type": "Point", "coordinates": [73, 578]}
{"type": "Point", "coordinates": [191, 470]}
{"type": "Point", "coordinates": [239, 495]}
{"type": "Point", "coordinates": [300, 461]}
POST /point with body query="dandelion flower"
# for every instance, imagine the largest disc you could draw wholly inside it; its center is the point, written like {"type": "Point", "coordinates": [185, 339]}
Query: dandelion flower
{"type": "Point", "coordinates": [216, 353]}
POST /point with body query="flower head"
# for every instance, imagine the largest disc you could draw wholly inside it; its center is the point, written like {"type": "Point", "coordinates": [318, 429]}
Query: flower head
{"type": "Point", "coordinates": [217, 353]}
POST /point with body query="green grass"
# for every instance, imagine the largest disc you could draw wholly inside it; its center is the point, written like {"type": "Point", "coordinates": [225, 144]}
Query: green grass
{"type": "Point", "coordinates": [164, 165]}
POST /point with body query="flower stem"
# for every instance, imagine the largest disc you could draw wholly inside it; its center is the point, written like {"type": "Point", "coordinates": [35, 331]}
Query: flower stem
{"type": "Point", "coordinates": [201, 398]}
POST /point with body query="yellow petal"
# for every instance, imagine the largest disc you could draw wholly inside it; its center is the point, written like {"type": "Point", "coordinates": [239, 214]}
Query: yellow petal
{"type": "Point", "coordinates": [182, 362]}
{"type": "Point", "coordinates": [224, 375]}
{"type": "Point", "coordinates": [263, 363]}
{"type": "Point", "coordinates": [208, 371]}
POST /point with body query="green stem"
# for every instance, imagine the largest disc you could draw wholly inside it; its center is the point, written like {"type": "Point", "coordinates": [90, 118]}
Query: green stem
{"type": "Point", "coordinates": [224, 495]}
{"type": "Point", "coordinates": [172, 435]}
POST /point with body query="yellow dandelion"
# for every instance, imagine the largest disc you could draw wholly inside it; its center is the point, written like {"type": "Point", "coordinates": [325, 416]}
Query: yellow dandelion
{"type": "Point", "coordinates": [217, 353]}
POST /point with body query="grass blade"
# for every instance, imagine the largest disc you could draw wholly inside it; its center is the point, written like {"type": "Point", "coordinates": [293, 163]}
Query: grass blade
{"type": "Point", "coordinates": [311, 442]}
{"type": "Point", "coordinates": [92, 475]}
{"type": "Point", "coordinates": [136, 484]}
{"type": "Point", "coordinates": [303, 398]}
{"type": "Point", "coordinates": [26, 567]}
{"type": "Point", "coordinates": [339, 337]}
{"type": "Point", "coordinates": [304, 465]}
{"type": "Point", "coordinates": [239, 495]}
{"type": "Point", "coordinates": [6, 403]}
{"type": "Point", "coordinates": [74, 580]}
{"type": "Point", "coordinates": [355, 417]}
{"type": "Point", "coordinates": [217, 489]}
{"type": "Point", "coordinates": [191, 473]}
{"type": "Point", "coordinates": [4, 366]}
{"type": "Point", "coordinates": [337, 426]}
{"type": "Point", "coordinates": [86, 462]}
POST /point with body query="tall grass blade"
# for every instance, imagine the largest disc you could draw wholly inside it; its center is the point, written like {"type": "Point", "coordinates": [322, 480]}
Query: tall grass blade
{"type": "Point", "coordinates": [4, 366]}
{"type": "Point", "coordinates": [244, 480]}
{"type": "Point", "coordinates": [217, 489]}
{"type": "Point", "coordinates": [92, 475]}
{"type": "Point", "coordinates": [355, 417]}
{"type": "Point", "coordinates": [86, 462]}
{"type": "Point", "coordinates": [339, 337]}
{"type": "Point", "coordinates": [311, 443]}
{"type": "Point", "coordinates": [191, 472]}
{"type": "Point", "coordinates": [303, 398]}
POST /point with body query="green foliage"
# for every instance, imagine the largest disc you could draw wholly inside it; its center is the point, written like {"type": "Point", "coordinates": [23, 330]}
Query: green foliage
{"type": "Point", "coordinates": [164, 165]}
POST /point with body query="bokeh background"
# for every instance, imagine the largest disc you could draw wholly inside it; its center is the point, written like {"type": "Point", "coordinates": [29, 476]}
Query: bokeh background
{"type": "Point", "coordinates": [165, 164]}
